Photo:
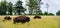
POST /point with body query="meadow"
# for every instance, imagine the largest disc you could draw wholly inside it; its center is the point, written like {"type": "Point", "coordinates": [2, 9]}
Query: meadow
{"type": "Point", "coordinates": [44, 22]}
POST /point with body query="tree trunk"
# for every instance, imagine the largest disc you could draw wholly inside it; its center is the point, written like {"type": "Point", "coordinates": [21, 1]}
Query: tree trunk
{"type": "Point", "coordinates": [36, 12]}
{"type": "Point", "coordinates": [19, 13]}
{"type": "Point", "coordinates": [10, 13]}
{"type": "Point", "coordinates": [30, 11]}
{"type": "Point", "coordinates": [15, 13]}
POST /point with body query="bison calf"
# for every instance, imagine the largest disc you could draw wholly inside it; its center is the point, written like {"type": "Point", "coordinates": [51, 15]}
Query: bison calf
{"type": "Point", "coordinates": [7, 18]}
{"type": "Point", "coordinates": [37, 17]}
{"type": "Point", "coordinates": [21, 19]}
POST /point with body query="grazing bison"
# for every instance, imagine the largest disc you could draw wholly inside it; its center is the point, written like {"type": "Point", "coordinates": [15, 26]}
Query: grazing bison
{"type": "Point", "coordinates": [37, 17]}
{"type": "Point", "coordinates": [21, 19]}
{"type": "Point", "coordinates": [7, 18]}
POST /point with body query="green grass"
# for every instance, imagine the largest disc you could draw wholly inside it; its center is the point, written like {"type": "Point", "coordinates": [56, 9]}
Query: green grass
{"type": "Point", "coordinates": [44, 22]}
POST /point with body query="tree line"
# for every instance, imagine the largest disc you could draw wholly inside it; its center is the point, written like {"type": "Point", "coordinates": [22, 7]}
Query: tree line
{"type": "Point", "coordinates": [7, 8]}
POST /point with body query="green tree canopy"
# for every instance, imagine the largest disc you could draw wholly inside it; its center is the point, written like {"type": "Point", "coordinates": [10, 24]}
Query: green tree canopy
{"type": "Point", "coordinates": [19, 8]}
{"type": "Point", "coordinates": [51, 14]}
{"type": "Point", "coordinates": [33, 5]}
{"type": "Point", "coordinates": [45, 13]}
{"type": "Point", "coordinates": [10, 8]}
{"type": "Point", "coordinates": [58, 13]}
{"type": "Point", "coordinates": [3, 7]}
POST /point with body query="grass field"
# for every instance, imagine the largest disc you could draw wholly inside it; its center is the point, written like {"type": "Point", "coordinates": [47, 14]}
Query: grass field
{"type": "Point", "coordinates": [44, 22]}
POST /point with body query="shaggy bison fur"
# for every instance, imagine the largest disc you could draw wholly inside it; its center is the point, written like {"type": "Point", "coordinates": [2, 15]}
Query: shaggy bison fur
{"type": "Point", "coordinates": [21, 19]}
{"type": "Point", "coordinates": [37, 17]}
{"type": "Point", "coordinates": [7, 18]}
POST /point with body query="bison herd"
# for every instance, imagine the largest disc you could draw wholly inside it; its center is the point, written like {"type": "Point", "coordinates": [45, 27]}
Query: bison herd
{"type": "Point", "coordinates": [21, 19]}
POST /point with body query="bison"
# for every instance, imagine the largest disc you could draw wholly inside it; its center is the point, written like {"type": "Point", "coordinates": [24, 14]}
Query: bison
{"type": "Point", "coordinates": [37, 17]}
{"type": "Point", "coordinates": [21, 19]}
{"type": "Point", "coordinates": [7, 18]}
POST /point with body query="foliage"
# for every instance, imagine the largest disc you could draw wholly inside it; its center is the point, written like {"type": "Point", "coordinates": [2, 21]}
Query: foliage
{"type": "Point", "coordinates": [19, 7]}
{"type": "Point", "coordinates": [10, 8]}
{"type": "Point", "coordinates": [3, 7]}
{"type": "Point", "coordinates": [58, 13]}
{"type": "Point", "coordinates": [33, 5]}
{"type": "Point", "coordinates": [51, 14]}
{"type": "Point", "coordinates": [45, 13]}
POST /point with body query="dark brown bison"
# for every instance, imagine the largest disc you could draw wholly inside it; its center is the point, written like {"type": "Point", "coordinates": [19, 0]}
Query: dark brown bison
{"type": "Point", "coordinates": [37, 17]}
{"type": "Point", "coordinates": [7, 18]}
{"type": "Point", "coordinates": [21, 19]}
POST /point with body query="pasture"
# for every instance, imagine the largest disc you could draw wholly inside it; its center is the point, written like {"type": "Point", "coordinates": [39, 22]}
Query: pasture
{"type": "Point", "coordinates": [44, 22]}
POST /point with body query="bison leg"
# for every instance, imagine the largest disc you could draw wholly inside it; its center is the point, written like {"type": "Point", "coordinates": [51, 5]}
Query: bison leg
{"type": "Point", "coordinates": [23, 22]}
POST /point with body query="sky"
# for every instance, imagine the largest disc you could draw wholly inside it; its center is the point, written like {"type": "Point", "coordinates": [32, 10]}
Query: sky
{"type": "Point", "coordinates": [54, 5]}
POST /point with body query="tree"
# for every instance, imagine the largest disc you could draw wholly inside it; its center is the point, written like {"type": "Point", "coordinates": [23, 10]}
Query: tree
{"type": "Point", "coordinates": [19, 7]}
{"type": "Point", "coordinates": [45, 13]}
{"type": "Point", "coordinates": [33, 7]}
{"type": "Point", "coordinates": [51, 14]}
{"type": "Point", "coordinates": [40, 12]}
{"type": "Point", "coordinates": [3, 7]}
{"type": "Point", "coordinates": [10, 8]}
{"type": "Point", "coordinates": [58, 13]}
{"type": "Point", "coordinates": [37, 7]}
{"type": "Point", "coordinates": [14, 11]}
{"type": "Point", "coordinates": [30, 5]}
